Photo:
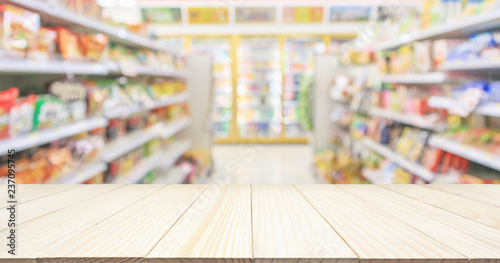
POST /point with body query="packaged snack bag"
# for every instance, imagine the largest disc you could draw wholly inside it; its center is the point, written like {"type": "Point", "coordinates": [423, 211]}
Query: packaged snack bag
{"type": "Point", "coordinates": [43, 45]}
{"type": "Point", "coordinates": [68, 43]}
{"type": "Point", "coordinates": [49, 112]}
{"type": "Point", "coordinates": [94, 46]}
{"type": "Point", "coordinates": [21, 116]}
{"type": "Point", "coordinates": [18, 28]}
{"type": "Point", "coordinates": [7, 99]}
{"type": "Point", "coordinates": [422, 53]}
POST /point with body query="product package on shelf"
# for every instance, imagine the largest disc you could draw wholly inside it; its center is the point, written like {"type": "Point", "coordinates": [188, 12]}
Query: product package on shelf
{"type": "Point", "coordinates": [18, 28]}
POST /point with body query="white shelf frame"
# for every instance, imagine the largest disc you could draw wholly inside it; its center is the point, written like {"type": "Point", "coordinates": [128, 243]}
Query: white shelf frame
{"type": "Point", "coordinates": [490, 109]}
{"type": "Point", "coordinates": [136, 139]}
{"type": "Point", "coordinates": [415, 78]}
{"type": "Point", "coordinates": [157, 160]}
{"type": "Point", "coordinates": [412, 120]}
{"type": "Point", "coordinates": [468, 152]}
{"type": "Point", "coordinates": [388, 153]}
{"type": "Point", "coordinates": [38, 138]}
{"type": "Point", "coordinates": [63, 67]}
{"type": "Point", "coordinates": [463, 28]}
{"type": "Point", "coordinates": [124, 112]}
{"type": "Point", "coordinates": [83, 174]}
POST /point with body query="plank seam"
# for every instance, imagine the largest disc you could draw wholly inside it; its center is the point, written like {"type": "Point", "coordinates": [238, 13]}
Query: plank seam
{"type": "Point", "coordinates": [175, 223]}
{"type": "Point", "coordinates": [298, 190]}
{"type": "Point", "coordinates": [38, 258]}
{"type": "Point", "coordinates": [383, 212]}
{"type": "Point", "coordinates": [40, 216]}
{"type": "Point", "coordinates": [441, 207]}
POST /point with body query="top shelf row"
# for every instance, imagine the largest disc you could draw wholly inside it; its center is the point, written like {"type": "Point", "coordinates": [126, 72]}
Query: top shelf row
{"type": "Point", "coordinates": [460, 29]}
{"type": "Point", "coordinates": [58, 15]}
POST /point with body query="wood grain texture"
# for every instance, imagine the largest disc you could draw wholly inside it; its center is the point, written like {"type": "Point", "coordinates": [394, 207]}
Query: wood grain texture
{"type": "Point", "coordinates": [258, 223]}
{"type": "Point", "coordinates": [216, 228]}
{"type": "Point", "coordinates": [25, 194]}
{"type": "Point", "coordinates": [46, 234]}
{"type": "Point", "coordinates": [286, 228]}
{"type": "Point", "coordinates": [130, 240]}
{"type": "Point", "coordinates": [474, 210]}
{"type": "Point", "coordinates": [469, 192]}
{"type": "Point", "coordinates": [34, 208]}
{"type": "Point", "coordinates": [369, 231]}
{"type": "Point", "coordinates": [472, 239]}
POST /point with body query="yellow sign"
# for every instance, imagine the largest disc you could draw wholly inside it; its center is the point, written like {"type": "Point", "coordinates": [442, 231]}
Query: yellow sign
{"type": "Point", "coordinates": [208, 15]}
{"type": "Point", "coordinates": [303, 14]}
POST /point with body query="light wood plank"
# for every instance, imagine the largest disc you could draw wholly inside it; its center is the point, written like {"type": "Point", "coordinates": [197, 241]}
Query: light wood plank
{"type": "Point", "coordinates": [26, 194]}
{"type": "Point", "coordinates": [286, 228]}
{"type": "Point", "coordinates": [468, 192]}
{"type": "Point", "coordinates": [41, 206]}
{"type": "Point", "coordinates": [216, 228]}
{"type": "Point", "coordinates": [46, 234]}
{"type": "Point", "coordinates": [493, 189]}
{"type": "Point", "coordinates": [474, 210]}
{"type": "Point", "coordinates": [474, 240]}
{"type": "Point", "coordinates": [130, 234]}
{"type": "Point", "coordinates": [375, 235]}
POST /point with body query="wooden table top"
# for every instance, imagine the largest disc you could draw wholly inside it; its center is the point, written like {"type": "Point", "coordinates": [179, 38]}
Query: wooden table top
{"type": "Point", "coordinates": [255, 223]}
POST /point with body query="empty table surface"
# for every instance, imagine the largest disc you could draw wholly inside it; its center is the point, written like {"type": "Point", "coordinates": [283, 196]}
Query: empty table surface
{"type": "Point", "coordinates": [255, 223]}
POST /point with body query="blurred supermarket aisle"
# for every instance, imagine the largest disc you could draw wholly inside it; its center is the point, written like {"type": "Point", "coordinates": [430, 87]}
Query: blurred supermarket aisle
{"type": "Point", "coordinates": [263, 164]}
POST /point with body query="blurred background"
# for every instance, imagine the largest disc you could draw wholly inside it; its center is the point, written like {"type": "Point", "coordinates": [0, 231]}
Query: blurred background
{"type": "Point", "coordinates": [249, 91]}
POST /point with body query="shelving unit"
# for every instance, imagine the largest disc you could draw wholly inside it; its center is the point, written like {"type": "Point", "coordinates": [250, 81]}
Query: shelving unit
{"type": "Point", "coordinates": [162, 160]}
{"type": "Point", "coordinates": [82, 174]}
{"type": "Point", "coordinates": [490, 109]}
{"type": "Point", "coordinates": [460, 29]}
{"type": "Point", "coordinates": [56, 14]}
{"type": "Point", "coordinates": [38, 138]}
{"type": "Point", "coordinates": [388, 153]}
{"type": "Point", "coordinates": [23, 66]}
{"type": "Point", "coordinates": [123, 112]}
{"type": "Point", "coordinates": [133, 140]}
{"type": "Point", "coordinates": [423, 78]}
{"type": "Point", "coordinates": [477, 66]}
{"type": "Point", "coordinates": [476, 155]}
{"type": "Point", "coordinates": [141, 169]}
{"type": "Point", "coordinates": [413, 120]}
{"type": "Point", "coordinates": [375, 177]}
{"type": "Point", "coordinates": [174, 153]}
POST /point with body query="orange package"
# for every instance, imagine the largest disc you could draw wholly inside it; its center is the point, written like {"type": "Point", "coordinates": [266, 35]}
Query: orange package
{"type": "Point", "coordinates": [69, 44]}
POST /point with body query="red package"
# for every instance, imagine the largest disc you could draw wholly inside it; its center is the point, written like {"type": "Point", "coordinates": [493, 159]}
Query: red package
{"type": "Point", "coordinates": [7, 99]}
{"type": "Point", "coordinates": [445, 167]}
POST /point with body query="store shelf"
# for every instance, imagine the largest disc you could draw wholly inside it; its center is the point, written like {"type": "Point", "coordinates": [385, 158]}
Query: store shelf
{"type": "Point", "coordinates": [46, 136]}
{"type": "Point", "coordinates": [476, 155]}
{"type": "Point", "coordinates": [176, 151]}
{"type": "Point", "coordinates": [142, 70]}
{"type": "Point", "coordinates": [127, 143]}
{"type": "Point", "coordinates": [459, 29]}
{"type": "Point", "coordinates": [141, 169]}
{"type": "Point", "coordinates": [484, 66]}
{"type": "Point", "coordinates": [23, 66]}
{"type": "Point", "coordinates": [490, 109]}
{"type": "Point", "coordinates": [123, 112]}
{"type": "Point", "coordinates": [131, 141]}
{"type": "Point", "coordinates": [413, 120]}
{"type": "Point", "coordinates": [82, 174]}
{"type": "Point", "coordinates": [56, 14]}
{"type": "Point", "coordinates": [388, 153]}
{"type": "Point", "coordinates": [173, 127]}
{"type": "Point", "coordinates": [423, 78]}
{"type": "Point", "coordinates": [375, 177]}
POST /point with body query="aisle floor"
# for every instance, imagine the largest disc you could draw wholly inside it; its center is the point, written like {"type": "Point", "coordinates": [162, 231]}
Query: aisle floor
{"type": "Point", "coordinates": [263, 164]}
